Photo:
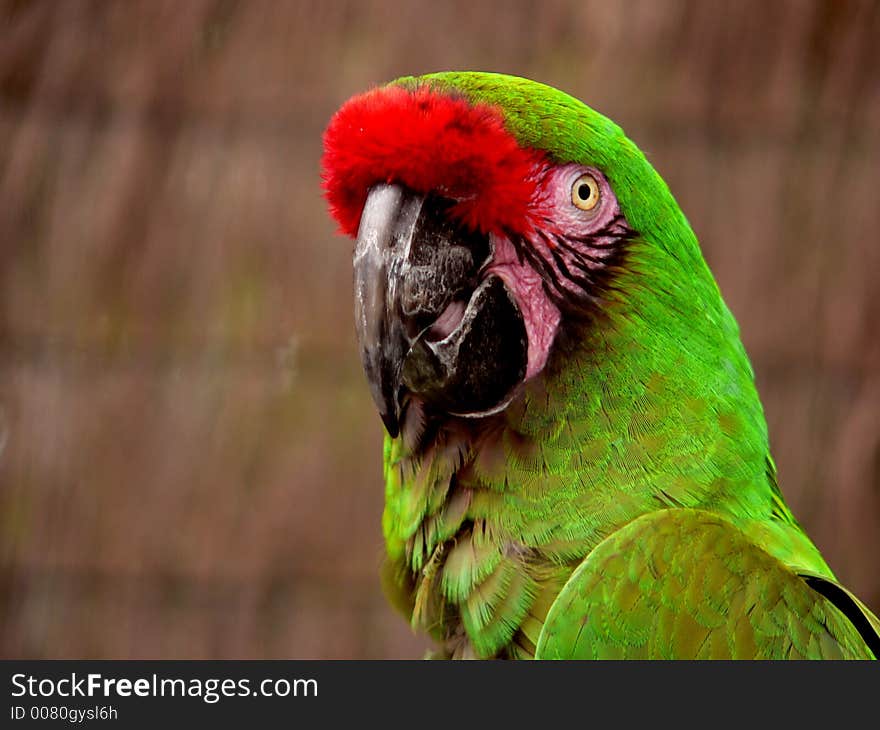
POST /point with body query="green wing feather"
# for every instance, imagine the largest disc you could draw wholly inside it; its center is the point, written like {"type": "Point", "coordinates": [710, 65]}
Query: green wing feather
{"type": "Point", "coordinates": [685, 583]}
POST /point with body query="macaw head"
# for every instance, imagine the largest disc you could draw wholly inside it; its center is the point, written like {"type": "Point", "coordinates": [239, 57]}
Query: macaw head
{"type": "Point", "coordinates": [491, 213]}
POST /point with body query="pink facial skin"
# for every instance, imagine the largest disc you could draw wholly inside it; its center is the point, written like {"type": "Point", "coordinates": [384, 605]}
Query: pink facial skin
{"type": "Point", "coordinates": [540, 315]}
{"type": "Point", "coordinates": [569, 243]}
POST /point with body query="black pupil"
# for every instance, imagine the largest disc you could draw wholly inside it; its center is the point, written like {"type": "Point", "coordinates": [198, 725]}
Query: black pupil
{"type": "Point", "coordinates": [584, 191]}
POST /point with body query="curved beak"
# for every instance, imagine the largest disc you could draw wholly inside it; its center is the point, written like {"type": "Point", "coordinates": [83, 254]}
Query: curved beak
{"type": "Point", "coordinates": [426, 323]}
{"type": "Point", "coordinates": [385, 231]}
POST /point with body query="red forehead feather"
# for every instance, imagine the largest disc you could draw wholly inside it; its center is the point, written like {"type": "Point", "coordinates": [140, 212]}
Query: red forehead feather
{"type": "Point", "coordinates": [431, 143]}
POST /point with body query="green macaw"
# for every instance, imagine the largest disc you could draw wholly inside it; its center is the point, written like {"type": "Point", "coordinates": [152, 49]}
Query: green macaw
{"type": "Point", "coordinates": [576, 461]}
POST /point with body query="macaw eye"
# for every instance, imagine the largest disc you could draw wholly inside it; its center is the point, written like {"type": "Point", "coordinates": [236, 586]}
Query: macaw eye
{"type": "Point", "coordinates": [585, 192]}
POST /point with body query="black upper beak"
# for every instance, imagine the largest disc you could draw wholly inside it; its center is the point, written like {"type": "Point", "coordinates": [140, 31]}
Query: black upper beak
{"type": "Point", "coordinates": [378, 259]}
{"type": "Point", "coordinates": [425, 321]}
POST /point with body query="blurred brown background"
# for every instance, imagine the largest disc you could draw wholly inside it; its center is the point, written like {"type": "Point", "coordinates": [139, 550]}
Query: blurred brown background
{"type": "Point", "coordinates": [189, 457]}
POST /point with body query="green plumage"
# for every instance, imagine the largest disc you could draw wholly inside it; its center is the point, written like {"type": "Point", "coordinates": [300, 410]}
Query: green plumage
{"type": "Point", "coordinates": [625, 504]}
{"type": "Point", "coordinates": [687, 583]}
